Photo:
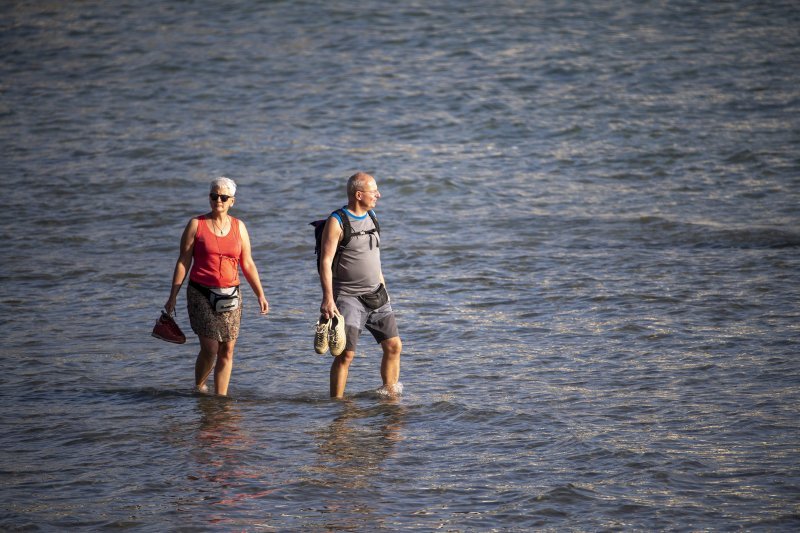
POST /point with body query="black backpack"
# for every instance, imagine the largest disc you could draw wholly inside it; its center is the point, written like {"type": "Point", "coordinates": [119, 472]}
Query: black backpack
{"type": "Point", "coordinates": [347, 229]}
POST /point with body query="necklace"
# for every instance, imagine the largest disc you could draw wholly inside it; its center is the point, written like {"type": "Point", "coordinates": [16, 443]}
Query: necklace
{"type": "Point", "coordinates": [219, 248]}
{"type": "Point", "coordinates": [219, 229]}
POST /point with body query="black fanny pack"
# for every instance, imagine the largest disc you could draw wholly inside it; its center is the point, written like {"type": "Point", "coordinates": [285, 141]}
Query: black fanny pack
{"type": "Point", "coordinates": [376, 299]}
{"type": "Point", "coordinates": [221, 300]}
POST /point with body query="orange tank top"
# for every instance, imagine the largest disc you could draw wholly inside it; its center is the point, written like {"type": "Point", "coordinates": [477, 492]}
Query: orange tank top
{"type": "Point", "coordinates": [216, 259]}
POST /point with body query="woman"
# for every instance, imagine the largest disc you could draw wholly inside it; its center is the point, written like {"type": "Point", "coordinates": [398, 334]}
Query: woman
{"type": "Point", "coordinates": [215, 245]}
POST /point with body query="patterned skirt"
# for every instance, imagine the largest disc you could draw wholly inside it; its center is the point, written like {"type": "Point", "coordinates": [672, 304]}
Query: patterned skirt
{"type": "Point", "coordinates": [221, 327]}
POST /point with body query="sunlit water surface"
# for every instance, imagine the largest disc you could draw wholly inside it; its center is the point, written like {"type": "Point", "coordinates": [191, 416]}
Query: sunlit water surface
{"type": "Point", "coordinates": [590, 235]}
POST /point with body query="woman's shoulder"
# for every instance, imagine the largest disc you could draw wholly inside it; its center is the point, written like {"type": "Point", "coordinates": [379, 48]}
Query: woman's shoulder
{"type": "Point", "coordinates": [200, 218]}
{"type": "Point", "coordinates": [194, 222]}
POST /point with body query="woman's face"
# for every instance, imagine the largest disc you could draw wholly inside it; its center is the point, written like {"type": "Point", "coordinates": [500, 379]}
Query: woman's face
{"type": "Point", "coordinates": [221, 199]}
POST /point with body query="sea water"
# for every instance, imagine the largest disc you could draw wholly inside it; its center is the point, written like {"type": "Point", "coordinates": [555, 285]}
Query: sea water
{"type": "Point", "coordinates": [590, 235]}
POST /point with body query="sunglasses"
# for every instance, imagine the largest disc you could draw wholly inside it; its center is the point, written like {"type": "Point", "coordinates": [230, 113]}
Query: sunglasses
{"type": "Point", "coordinates": [224, 197]}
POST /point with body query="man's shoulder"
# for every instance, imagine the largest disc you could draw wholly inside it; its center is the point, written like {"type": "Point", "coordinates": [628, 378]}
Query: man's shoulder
{"type": "Point", "coordinates": [340, 215]}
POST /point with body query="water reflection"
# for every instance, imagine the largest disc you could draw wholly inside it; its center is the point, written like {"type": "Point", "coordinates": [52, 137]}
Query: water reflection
{"type": "Point", "coordinates": [227, 457]}
{"type": "Point", "coordinates": [219, 433]}
{"type": "Point", "coordinates": [351, 454]}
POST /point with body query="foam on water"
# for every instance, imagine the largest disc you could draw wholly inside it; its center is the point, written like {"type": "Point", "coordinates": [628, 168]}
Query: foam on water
{"type": "Point", "coordinates": [390, 391]}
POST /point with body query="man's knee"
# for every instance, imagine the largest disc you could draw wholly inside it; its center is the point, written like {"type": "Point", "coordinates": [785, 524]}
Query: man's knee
{"type": "Point", "coordinates": [392, 347]}
{"type": "Point", "coordinates": [346, 357]}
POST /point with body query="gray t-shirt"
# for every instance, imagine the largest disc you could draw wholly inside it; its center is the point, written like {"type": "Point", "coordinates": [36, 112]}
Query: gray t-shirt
{"type": "Point", "coordinates": [359, 264]}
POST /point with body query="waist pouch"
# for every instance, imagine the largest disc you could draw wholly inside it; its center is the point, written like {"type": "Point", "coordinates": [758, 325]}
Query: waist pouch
{"type": "Point", "coordinates": [376, 299]}
{"type": "Point", "coordinates": [222, 299]}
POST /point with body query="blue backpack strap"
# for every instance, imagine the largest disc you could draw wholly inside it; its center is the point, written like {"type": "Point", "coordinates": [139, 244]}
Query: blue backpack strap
{"type": "Point", "coordinates": [347, 229]}
{"type": "Point", "coordinates": [374, 218]}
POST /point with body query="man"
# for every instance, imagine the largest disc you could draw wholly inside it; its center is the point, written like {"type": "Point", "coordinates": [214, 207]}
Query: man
{"type": "Point", "coordinates": [349, 286]}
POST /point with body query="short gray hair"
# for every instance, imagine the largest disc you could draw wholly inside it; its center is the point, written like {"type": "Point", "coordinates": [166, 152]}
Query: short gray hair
{"type": "Point", "coordinates": [357, 182]}
{"type": "Point", "coordinates": [224, 183]}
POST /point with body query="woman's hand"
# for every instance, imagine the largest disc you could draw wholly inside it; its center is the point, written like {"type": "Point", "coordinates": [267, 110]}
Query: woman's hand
{"type": "Point", "coordinates": [169, 307]}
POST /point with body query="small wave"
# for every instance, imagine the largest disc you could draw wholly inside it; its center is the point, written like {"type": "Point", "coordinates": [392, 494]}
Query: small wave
{"type": "Point", "coordinates": [703, 235]}
{"type": "Point", "coordinates": [742, 156]}
{"type": "Point", "coordinates": [149, 393]}
{"type": "Point", "coordinates": [240, 397]}
{"type": "Point", "coordinates": [567, 494]}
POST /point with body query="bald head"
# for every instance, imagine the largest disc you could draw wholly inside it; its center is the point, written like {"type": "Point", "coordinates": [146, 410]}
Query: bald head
{"type": "Point", "coordinates": [358, 182]}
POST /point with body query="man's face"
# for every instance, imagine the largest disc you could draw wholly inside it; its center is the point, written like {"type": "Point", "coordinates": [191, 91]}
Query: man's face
{"type": "Point", "coordinates": [369, 195]}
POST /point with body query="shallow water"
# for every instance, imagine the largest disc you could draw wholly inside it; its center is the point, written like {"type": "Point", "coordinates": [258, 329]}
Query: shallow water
{"type": "Point", "coordinates": [590, 233]}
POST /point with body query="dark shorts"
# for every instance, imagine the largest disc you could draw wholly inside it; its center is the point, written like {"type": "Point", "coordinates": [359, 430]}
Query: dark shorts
{"type": "Point", "coordinates": [222, 327]}
{"type": "Point", "coordinates": [380, 322]}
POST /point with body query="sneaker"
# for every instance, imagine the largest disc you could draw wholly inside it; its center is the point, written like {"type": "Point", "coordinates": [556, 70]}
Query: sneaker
{"type": "Point", "coordinates": [167, 330]}
{"type": "Point", "coordinates": [321, 336]}
{"type": "Point", "coordinates": [336, 335]}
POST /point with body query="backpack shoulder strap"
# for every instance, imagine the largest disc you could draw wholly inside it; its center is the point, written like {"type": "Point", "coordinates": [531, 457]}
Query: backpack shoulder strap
{"type": "Point", "coordinates": [374, 220]}
{"type": "Point", "coordinates": [347, 229]}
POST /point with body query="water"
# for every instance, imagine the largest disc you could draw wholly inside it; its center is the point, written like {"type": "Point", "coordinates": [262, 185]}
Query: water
{"type": "Point", "coordinates": [591, 239]}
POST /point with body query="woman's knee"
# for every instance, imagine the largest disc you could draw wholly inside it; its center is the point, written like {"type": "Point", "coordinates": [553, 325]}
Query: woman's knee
{"type": "Point", "coordinates": [208, 346]}
{"type": "Point", "coordinates": [225, 350]}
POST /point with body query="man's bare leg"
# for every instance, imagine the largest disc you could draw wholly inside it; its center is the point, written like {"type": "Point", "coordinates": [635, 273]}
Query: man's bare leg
{"type": "Point", "coordinates": [339, 370]}
{"type": "Point", "coordinates": [390, 364]}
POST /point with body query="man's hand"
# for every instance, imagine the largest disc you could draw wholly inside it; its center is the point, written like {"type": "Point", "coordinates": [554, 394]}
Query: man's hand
{"type": "Point", "coordinates": [328, 308]}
